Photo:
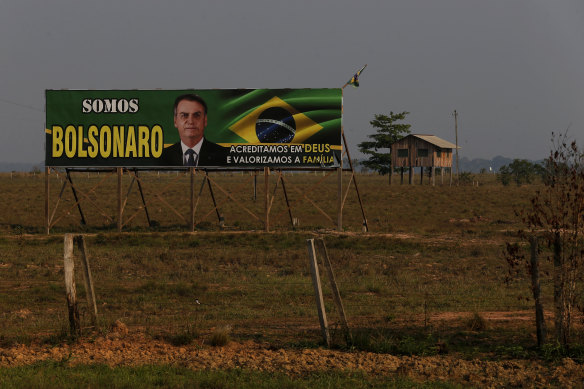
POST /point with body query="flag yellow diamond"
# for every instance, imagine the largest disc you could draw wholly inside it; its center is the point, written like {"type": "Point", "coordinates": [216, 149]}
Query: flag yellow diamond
{"type": "Point", "coordinates": [246, 127]}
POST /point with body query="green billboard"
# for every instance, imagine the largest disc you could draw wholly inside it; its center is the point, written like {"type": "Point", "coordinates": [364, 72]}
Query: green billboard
{"type": "Point", "coordinates": [227, 128]}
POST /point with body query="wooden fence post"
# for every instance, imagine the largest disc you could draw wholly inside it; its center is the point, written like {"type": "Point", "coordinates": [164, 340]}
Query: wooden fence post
{"type": "Point", "coordinates": [318, 293]}
{"type": "Point", "coordinates": [87, 278]}
{"type": "Point", "coordinates": [70, 286]}
{"type": "Point", "coordinates": [539, 318]}
{"type": "Point", "coordinates": [562, 321]}
{"type": "Point", "coordinates": [336, 293]}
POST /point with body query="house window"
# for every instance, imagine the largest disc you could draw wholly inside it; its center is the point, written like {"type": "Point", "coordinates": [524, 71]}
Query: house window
{"type": "Point", "coordinates": [422, 153]}
{"type": "Point", "coordinates": [438, 153]}
{"type": "Point", "coordinates": [401, 153]}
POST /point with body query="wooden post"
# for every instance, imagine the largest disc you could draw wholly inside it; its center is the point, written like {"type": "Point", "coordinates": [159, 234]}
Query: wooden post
{"type": "Point", "coordinates": [318, 293]}
{"type": "Point", "coordinates": [562, 323]}
{"type": "Point", "coordinates": [402, 175]}
{"type": "Point", "coordinates": [266, 199]}
{"type": "Point", "coordinates": [456, 132]}
{"type": "Point", "coordinates": [90, 291]}
{"type": "Point", "coordinates": [433, 174]}
{"type": "Point", "coordinates": [47, 211]}
{"type": "Point", "coordinates": [365, 227]}
{"type": "Point", "coordinates": [75, 197]}
{"type": "Point", "coordinates": [421, 175]}
{"type": "Point", "coordinates": [143, 199]}
{"type": "Point", "coordinates": [192, 171]}
{"type": "Point", "coordinates": [335, 289]}
{"type": "Point", "coordinates": [68, 267]}
{"type": "Point", "coordinates": [340, 198]}
{"type": "Point", "coordinates": [255, 185]}
{"type": "Point", "coordinates": [219, 217]}
{"type": "Point", "coordinates": [119, 199]}
{"type": "Point", "coordinates": [535, 287]}
{"type": "Point", "coordinates": [288, 204]}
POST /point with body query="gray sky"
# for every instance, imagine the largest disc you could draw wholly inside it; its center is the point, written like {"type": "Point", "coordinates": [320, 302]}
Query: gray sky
{"type": "Point", "coordinates": [513, 69]}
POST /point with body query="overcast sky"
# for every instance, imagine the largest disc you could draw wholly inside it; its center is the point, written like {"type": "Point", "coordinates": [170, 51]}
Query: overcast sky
{"type": "Point", "coordinates": [513, 69]}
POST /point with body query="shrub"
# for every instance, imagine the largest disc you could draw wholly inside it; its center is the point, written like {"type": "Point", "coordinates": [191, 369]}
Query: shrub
{"type": "Point", "coordinates": [220, 336]}
{"type": "Point", "coordinates": [476, 322]}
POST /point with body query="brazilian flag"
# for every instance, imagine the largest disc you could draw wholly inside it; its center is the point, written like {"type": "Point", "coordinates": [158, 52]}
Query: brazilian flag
{"type": "Point", "coordinates": [274, 116]}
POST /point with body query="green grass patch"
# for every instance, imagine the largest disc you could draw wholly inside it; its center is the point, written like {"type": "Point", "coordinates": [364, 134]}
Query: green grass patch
{"type": "Point", "coordinates": [59, 375]}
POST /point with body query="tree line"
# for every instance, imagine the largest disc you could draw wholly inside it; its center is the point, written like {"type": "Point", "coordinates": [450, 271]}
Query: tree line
{"type": "Point", "coordinates": [389, 130]}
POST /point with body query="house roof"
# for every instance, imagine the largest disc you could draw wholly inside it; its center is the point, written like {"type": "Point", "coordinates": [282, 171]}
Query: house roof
{"type": "Point", "coordinates": [436, 141]}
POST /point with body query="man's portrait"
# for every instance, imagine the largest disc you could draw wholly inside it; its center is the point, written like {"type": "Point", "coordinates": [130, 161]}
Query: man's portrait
{"type": "Point", "coordinates": [190, 120]}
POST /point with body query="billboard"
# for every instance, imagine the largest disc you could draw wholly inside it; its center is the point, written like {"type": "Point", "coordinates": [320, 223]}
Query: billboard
{"type": "Point", "coordinates": [228, 128]}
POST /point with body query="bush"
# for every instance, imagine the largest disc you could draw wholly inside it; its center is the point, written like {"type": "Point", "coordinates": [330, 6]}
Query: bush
{"type": "Point", "coordinates": [476, 322]}
{"type": "Point", "coordinates": [220, 336]}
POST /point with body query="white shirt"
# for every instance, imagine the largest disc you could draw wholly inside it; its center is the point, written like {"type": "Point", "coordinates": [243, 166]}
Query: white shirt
{"type": "Point", "coordinates": [196, 149]}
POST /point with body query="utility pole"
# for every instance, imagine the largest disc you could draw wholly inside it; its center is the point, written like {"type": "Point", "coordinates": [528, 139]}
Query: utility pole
{"type": "Point", "coordinates": [456, 134]}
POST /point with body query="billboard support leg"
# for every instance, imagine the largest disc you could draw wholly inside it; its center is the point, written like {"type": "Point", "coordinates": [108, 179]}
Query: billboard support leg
{"type": "Point", "coordinates": [143, 199]}
{"type": "Point", "coordinates": [75, 196]}
{"type": "Point", "coordinates": [287, 202]}
{"type": "Point", "coordinates": [340, 198]}
{"type": "Point", "coordinates": [47, 210]}
{"type": "Point", "coordinates": [120, 210]}
{"type": "Point", "coordinates": [365, 225]}
{"type": "Point", "coordinates": [221, 219]}
{"type": "Point", "coordinates": [255, 185]}
{"type": "Point", "coordinates": [192, 173]}
{"type": "Point", "coordinates": [266, 199]}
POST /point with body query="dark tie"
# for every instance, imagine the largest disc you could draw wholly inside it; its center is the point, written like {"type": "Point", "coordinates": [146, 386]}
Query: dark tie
{"type": "Point", "coordinates": [191, 159]}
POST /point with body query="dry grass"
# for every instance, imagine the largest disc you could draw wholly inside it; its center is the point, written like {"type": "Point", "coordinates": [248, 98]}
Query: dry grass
{"type": "Point", "coordinates": [432, 250]}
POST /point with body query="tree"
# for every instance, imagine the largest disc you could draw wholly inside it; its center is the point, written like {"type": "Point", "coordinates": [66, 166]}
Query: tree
{"type": "Point", "coordinates": [556, 216]}
{"type": "Point", "coordinates": [388, 132]}
{"type": "Point", "coordinates": [521, 171]}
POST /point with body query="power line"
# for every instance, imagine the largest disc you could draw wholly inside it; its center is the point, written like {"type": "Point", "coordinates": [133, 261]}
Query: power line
{"type": "Point", "coordinates": [22, 105]}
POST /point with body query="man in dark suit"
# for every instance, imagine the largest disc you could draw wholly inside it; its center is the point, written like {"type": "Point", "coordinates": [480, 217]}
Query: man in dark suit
{"type": "Point", "coordinates": [190, 119]}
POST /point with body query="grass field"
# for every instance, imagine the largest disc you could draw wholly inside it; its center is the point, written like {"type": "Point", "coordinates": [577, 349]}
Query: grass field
{"type": "Point", "coordinates": [428, 279]}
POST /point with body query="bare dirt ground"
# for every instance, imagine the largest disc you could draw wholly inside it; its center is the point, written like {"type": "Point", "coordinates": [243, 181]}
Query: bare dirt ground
{"type": "Point", "coordinates": [120, 348]}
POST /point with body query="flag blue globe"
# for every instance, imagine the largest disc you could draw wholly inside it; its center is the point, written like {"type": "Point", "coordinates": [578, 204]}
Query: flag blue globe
{"type": "Point", "coordinates": [275, 125]}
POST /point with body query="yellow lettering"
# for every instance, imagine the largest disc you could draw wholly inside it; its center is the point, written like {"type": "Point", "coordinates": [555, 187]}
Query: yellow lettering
{"type": "Point", "coordinates": [119, 141]}
{"type": "Point", "coordinates": [81, 153]}
{"type": "Point", "coordinates": [143, 133]}
{"type": "Point", "coordinates": [105, 141]}
{"type": "Point", "coordinates": [93, 148]}
{"type": "Point", "coordinates": [156, 141]}
{"type": "Point", "coordinates": [131, 142]}
{"type": "Point", "coordinates": [70, 145]}
{"type": "Point", "coordinates": [57, 141]}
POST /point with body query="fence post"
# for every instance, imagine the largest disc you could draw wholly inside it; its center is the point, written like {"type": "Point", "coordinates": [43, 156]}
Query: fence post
{"type": "Point", "coordinates": [562, 322]}
{"type": "Point", "coordinates": [334, 287]}
{"type": "Point", "coordinates": [318, 293]}
{"type": "Point", "coordinates": [539, 318]}
{"type": "Point", "coordinates": [87, 278]}
{"type": "Point", "coordinates": [70, 285]}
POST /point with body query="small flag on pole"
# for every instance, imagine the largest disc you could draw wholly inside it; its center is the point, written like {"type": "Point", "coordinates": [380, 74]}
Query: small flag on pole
{"type": "Point", "coordinates": [354, 81]}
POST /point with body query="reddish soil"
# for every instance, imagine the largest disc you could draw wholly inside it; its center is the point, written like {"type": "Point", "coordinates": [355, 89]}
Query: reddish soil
{"type": "Point", "coordinates": [121, 348]}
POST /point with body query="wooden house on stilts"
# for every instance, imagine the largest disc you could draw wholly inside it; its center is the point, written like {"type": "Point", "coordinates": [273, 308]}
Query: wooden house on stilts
{"type": "Point", "coordinates": [423, 151]}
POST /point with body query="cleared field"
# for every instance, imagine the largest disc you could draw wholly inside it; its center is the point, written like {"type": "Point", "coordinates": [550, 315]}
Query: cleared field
{"type": "Point", "coordinates": [433, 259]}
